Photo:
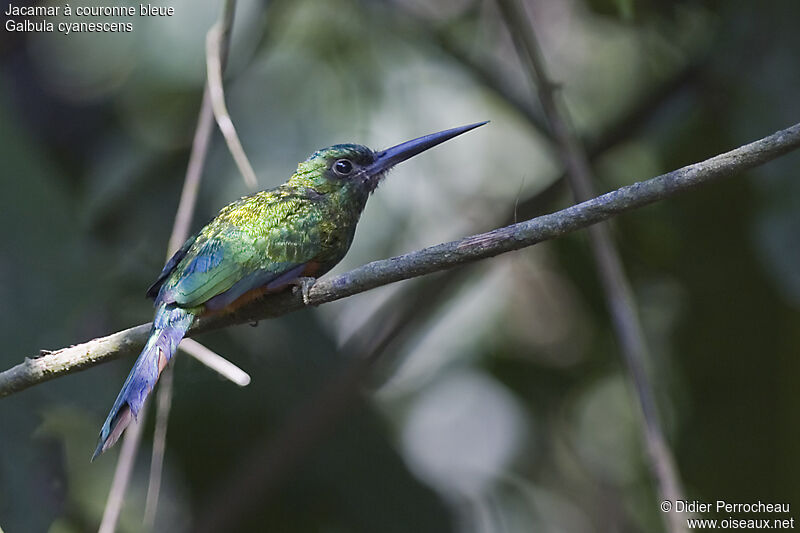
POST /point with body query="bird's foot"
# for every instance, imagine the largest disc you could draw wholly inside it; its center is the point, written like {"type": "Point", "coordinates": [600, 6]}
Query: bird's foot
{"type": "Point", "coordinates": [304, 284]}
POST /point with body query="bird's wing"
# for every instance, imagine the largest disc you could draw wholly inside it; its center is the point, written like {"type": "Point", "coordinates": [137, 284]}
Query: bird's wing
{"type": "Point", "coordinates": [173, 261]}
{"type": "Point", "coordinates": [245, 247]}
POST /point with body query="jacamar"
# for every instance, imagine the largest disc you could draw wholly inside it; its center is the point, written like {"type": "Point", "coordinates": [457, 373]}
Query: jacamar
{"type": "Point", "coordinates": [260, 244]}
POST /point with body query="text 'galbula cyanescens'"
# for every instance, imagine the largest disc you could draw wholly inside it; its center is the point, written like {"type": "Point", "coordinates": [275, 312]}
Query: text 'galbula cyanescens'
{"type": "Point", "coordinates": [259, 244]}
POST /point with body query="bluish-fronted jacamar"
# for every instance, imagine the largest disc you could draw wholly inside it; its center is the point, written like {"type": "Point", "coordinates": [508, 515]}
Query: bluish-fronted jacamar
{"type": "Point", "coordinates": [258, 244]}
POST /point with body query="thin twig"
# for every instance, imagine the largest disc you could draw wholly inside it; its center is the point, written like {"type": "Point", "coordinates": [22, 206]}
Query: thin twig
{"type": "Point", "coordinates": [621, 128]}
{"type": "Point", "coordinates": [619, 295]}
{"type": "Point", "coordinates": [216, 362]}
{"type": "Point", "coordinates": [180, 232]}
{"type": "Point", "coordinates": [194, 171]}
{"type": "Point", "coordinates": [426, 261]}
{"type": "Point", "coordinates": [484, 71]}
{"type": "Point", "coordinates": [214, 67]}
{"type": "Point", "coordinates": [122, 474]}
{"type": "Point", "coordinates": [163, 405]}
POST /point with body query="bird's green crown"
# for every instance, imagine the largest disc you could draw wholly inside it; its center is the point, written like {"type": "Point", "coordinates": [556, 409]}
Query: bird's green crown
{"type": "Point", "coordinates": [338, 167]}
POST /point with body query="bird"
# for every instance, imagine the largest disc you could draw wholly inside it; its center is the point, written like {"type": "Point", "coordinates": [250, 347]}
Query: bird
{"type": "Point", "coordinates": [260, 244]}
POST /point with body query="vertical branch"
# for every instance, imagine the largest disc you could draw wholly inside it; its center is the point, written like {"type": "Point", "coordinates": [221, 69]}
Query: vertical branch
{"type": "Point", "coordinates": [122, 474]}
{"type": "Point", "coordinates": [202, 138]}
{"type": "Point", "coordinates": [180, 232]}
{"type": "Point", "coordinates": [191, 183]}
{"type": "Point", "coordinates": [163, 405]}
{"type": "Point", "coordinates": [619, 296]}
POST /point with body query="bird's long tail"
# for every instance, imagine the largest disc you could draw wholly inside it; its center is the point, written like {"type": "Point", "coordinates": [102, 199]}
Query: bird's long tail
{"type": "Point", "coordinates": [169, 327]}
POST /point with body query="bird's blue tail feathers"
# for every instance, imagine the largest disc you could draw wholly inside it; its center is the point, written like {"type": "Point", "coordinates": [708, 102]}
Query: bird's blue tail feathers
{"type": "Point", "coordinates": [169, 327]}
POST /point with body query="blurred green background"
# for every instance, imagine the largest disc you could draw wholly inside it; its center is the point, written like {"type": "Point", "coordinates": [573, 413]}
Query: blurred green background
{"type": "Point", "coordinates": [503, 405]}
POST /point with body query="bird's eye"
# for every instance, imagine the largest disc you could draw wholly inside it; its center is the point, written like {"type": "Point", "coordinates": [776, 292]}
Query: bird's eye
{"type": "Point", "coordinates": [343, 167]}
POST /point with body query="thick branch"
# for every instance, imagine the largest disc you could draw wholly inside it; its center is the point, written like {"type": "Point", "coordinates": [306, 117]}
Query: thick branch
{"type": "Point", "coordinates": [425, 261]}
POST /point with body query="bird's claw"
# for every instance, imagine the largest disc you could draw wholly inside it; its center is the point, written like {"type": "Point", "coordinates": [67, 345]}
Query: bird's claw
{"type": "Point", "coordinates": [304, 284]}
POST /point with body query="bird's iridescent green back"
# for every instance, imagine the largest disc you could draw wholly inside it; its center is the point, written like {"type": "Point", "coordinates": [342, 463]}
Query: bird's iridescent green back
{"type": "Point", "coordinates": [310, 218]}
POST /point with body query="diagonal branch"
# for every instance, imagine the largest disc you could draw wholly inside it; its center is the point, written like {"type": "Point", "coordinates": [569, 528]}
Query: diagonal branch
{"type": "Point", "coordinates": [482, 71]}
{"type": "Point", "coordinates": [426, 261]}
{"type": "Point", "coordinates": [619, 296]}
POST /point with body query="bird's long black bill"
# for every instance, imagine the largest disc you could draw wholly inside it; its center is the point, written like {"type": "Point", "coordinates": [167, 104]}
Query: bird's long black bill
{"type": "Point", "coordinates": [397, 154]}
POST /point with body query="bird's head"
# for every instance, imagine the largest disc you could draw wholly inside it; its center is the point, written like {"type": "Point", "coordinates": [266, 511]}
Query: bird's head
{"type": "Point", "coordinates": [358, 170]}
